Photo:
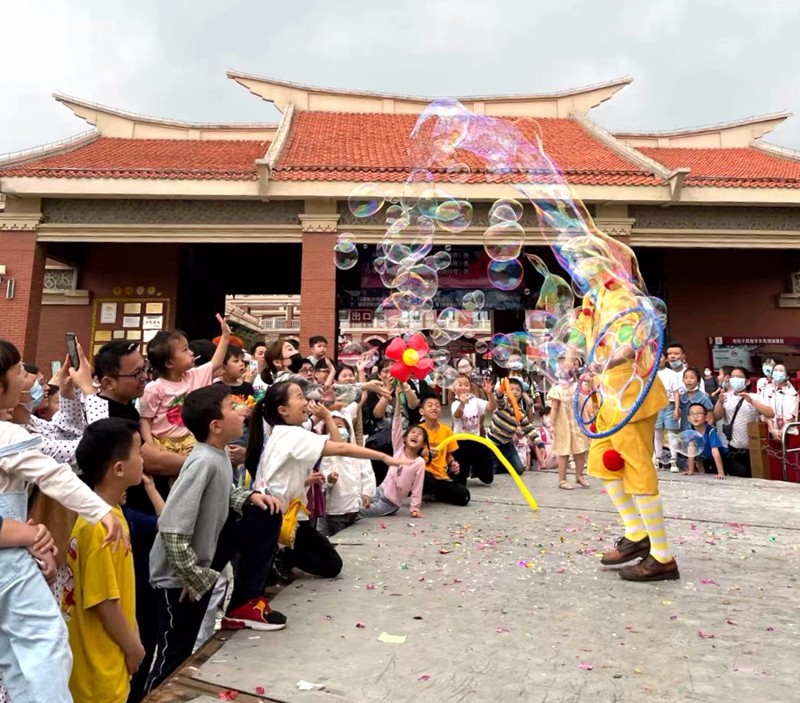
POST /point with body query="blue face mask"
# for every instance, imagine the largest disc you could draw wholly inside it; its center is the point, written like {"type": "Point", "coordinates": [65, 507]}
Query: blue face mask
{"type": "Point", "coordinates": [737, 384]}
{"type": "Point", "coordinates": [677, 365]}
{"type": "Point", "coordinates": [778, 376]}
{"type": "Point", "coordinates": [344, 434]}
{"type": "Point", "coordinates": [767, 369]}
{"type": "Point", "coordinates": [36, 393]}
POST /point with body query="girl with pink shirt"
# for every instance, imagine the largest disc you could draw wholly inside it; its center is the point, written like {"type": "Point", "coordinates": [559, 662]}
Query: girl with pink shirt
{"type": "Point", "coordinates": [401, 480]}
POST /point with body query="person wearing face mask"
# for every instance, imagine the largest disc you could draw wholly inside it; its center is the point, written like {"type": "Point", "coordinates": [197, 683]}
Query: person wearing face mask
{"type": "Point", "coordinates": [737, 409]}
{"type": "Point", "coordinates": [710, 384]}
{"type": "Point", "coordinates": [766, 380]}
{"type": "Point", "coordinates": [780, 397]}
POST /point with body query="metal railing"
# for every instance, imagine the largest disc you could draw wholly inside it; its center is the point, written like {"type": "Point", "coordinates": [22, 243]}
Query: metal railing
{"type": "Point", "coordinates": [785, 451]}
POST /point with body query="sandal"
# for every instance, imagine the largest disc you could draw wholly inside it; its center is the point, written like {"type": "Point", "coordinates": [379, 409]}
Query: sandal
{"type": "Point", "coordinates": [566, 485]}
{"type": "Point", "coordinates": [582, 481]}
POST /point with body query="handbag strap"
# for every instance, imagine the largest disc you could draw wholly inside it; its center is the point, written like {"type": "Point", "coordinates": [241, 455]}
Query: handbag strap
{"type": "Point", "coordinates": [736, 411]}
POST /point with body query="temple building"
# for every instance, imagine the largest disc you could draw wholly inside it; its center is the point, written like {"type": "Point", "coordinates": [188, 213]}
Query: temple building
{"type": "Point", "coordinates": [145, 223]}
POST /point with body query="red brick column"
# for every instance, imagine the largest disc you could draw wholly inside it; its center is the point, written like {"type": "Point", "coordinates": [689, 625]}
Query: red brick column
{"type": "Point", "coordinates": [318, 290]}
{"type": "Point", "coordinates": [24, 260]}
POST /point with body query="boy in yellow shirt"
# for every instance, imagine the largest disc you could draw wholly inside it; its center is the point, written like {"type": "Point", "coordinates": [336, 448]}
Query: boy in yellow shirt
{"type": "Point", "coordinates": [441, 465]}
{"type": "Point", "coordinates": [99, 600]}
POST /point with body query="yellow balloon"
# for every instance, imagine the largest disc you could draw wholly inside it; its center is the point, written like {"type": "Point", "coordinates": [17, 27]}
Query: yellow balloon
{"type": "Point", "coordinates": [488, 443]}
{"type": "Point", "coordinates": [410, 357]}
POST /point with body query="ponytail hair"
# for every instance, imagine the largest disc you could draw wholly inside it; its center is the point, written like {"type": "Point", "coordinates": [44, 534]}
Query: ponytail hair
{"type": "Point", "coordinates": [255, 440]}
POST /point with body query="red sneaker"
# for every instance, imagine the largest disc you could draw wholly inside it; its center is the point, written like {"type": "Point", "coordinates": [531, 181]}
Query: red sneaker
{"type": "Point", "coordinates": [256, 615]}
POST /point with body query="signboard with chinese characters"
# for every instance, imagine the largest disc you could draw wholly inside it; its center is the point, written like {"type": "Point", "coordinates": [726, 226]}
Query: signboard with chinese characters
{"type": "Point", "coordinates": [748, 352]}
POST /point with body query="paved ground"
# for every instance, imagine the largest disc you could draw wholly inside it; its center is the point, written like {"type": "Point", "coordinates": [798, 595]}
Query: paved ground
{"type": "Point", "coordinates": [495, 602]}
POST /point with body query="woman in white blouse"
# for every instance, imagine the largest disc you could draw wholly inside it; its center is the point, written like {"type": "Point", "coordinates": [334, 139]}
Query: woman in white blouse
{"type": "Point", "coordinates": [782, 399]}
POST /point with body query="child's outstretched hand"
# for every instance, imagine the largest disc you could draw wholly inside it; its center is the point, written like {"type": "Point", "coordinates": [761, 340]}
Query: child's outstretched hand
{"type": "Point", "coordinates": [318, 410]}
{"type": "Point", "coordinates": [377, 387]}
{"type": "Point", "coordinates": [488, 386]}
{"type": "Point", "coordinates": [416, 513]}
{"type": "Point", "coordinates": [265, 502]}
{"type": "Point", "coordinates": [223, 326]}
{"type": "Point", "coordinates": [115, 533]}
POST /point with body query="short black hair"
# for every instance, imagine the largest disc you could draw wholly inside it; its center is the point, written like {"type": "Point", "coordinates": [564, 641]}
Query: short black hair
{"type": "Point", "coordinates": [429, 396]}
{"type": "Point", "coordinates": [309, 362]}
{"type": "Point", "coordinates": [233, 352]}
{"type": "Point", "coordinates": [738, 368]}
{"type": "Point", "coordinates": [9, 358]}
{"type": "Point", "coordinates": [104, 443]}
{"type": "Point", "coordinates": [675, 345]}
{"type": "Point", "coordinates": [106, 361]}
{"type": "Point", "coordinates": [256, 345]}
{"type": "Point", "coordinates": [159, 349]}
{"type": "Point", "coordinates": [316, 339]}
{"type": "Point", "coordinates": [321, 365]}
{"type": "Point", "coordinates": [202, 407]}
{"type": "Point", "coordinates": [203, 350]}
{"type": "Point", "coordinates": [699, 405]}
{"type": "Point", "coordinates": [515, 381]}
{"type": "Point", "coordinates": [31, 368]}
{"type": "Point", "coordinates": [726, 370]}
{"type": "Point", "coordinates": [694, 370]}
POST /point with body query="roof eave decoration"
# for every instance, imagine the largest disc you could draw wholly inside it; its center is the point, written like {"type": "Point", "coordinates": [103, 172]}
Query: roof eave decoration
{"type": "Point", "coordinates": [735, 134]}
{"type": "Point", "coordinates": [305, 97]}
{"type": "Point", "coordinates": [111, 122]}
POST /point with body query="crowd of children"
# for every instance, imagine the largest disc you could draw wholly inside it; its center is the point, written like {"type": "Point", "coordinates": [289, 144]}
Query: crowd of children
{"type": "Point", "coordinates": [247, 462]}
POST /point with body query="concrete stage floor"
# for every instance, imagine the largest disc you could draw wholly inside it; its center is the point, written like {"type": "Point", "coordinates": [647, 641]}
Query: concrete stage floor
{"type": "Point", "coordinates": [494, 602]}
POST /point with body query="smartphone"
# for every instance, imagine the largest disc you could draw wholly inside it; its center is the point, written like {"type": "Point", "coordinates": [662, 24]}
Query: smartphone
{"type": "Point", "coordinates": [253, 366]}
{"type": "Point", "coordinates": [72, 349]}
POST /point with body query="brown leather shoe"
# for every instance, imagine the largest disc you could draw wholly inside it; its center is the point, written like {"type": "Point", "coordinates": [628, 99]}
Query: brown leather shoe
{"type": "Point", "coordinates": [625, 550]}
{"type": "Point", "coordinates": [648, 569]}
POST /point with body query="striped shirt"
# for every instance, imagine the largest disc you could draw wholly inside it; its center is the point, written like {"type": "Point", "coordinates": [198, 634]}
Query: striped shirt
{"type": "Point", "coordinates": [504, 424]}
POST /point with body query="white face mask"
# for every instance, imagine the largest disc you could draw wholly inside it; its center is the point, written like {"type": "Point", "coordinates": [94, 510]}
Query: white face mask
{"type": "Point", "coordinates": [37, 393]}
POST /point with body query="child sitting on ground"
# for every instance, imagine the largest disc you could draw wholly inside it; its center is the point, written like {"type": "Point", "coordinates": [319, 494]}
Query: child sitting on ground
{"type": "Point", "coordinates": [401, 481]}
{"type": "Point", "coordinates": [284, 467]}
{"type": "Point", "coordinates": [442, 465]}
{"type": "Point", "coordinates": [710, 457]}
{"type": "Point", "coordinates": [349, 482]}
{"type": "Point", "coordinates": [176, 376]}
{"type": "Point", "coordinates": [206, 521]}
{"type": "Point", "coordinates": [100, 606]}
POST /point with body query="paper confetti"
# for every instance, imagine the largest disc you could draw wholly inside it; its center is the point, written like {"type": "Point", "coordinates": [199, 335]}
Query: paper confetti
{"type": "Point", "coordinates": [391, 639]}
{"type": "Point", "coordinates": [260, 690]}
{"type": "Point", "coordinates": [424, 677]}
{"type": "Point", "coordinates": [586, 665]}
{"type": "Point", "coordinates": [705, 635]}
{"type": "Point", "coordinates": [228, 695]}
{"type": "Point", "coordinates": [360, 625]}
{"type": "Point", "coordinates": [502, 629]}
{"type": "Point", "coordinates": [308, 686]}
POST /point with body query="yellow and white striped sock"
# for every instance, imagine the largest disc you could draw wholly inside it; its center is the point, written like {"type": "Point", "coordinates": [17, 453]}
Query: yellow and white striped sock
{"type": "Point", "coordinates": [623, 502]}
{"type": "Point", "coordinates": [652, 512]}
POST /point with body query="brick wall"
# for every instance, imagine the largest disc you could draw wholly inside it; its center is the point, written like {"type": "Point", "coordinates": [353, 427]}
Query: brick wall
{"type": "Point", "coordinates": [727, 294]}
{"type": "Point", "coordinates": [318, 290]}
{"type": "Point", "coordinates": [105, 267]}
{"type": "Point", "coordinates": [19, 316]}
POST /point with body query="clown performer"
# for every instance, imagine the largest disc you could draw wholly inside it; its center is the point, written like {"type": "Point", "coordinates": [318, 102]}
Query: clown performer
{"type": "Point", "coordinates": [619, 372]}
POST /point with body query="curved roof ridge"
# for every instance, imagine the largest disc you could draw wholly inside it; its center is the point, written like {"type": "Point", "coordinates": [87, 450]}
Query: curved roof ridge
{"type": "Point", "coordinates": [623, 81]}
{"type": "Point", "coordinates": [43, 151]}
{"type": "Point", "coordinates": [710, 127]}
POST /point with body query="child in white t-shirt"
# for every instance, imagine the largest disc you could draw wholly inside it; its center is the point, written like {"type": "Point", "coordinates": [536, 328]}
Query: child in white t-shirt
{"type": "Point", "coordinates": [285, 470]}
{"type": "Point", "coordinates": [469, 413]}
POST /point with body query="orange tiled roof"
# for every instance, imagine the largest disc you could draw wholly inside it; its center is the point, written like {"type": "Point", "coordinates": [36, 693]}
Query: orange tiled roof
{"type": "Point", "coordinates": [179, 159]}
{"type": "Point", "coordinates": [729, 168]}
{"type": "Point", "coordinates": [334, 146]}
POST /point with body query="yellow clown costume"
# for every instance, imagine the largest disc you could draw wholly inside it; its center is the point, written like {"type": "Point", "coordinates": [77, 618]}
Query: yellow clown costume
{"type": "Point", "coordinates": [623, 459]}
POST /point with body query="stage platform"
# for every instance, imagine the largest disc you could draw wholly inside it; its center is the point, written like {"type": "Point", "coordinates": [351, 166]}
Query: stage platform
{"type": "Point", "coordinates": [495, 602]}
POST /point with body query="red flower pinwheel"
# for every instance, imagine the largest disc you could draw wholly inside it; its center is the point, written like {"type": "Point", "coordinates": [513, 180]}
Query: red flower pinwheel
{"type": "Point", "coordinates": [411, 358]}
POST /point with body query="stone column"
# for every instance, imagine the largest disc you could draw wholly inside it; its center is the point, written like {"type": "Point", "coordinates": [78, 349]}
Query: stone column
{"type": "Point", "coordinates": [318, 313]}
{"type": "Point", "coordinates": [24, 260]}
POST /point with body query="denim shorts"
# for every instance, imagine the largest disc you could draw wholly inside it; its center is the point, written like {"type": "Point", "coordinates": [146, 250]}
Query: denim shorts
{"type": "Point", "coordinates": [665, 420]}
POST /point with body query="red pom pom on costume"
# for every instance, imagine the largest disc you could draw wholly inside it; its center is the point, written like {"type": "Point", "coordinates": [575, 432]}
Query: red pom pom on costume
{"type": "Point", "coordinates": [593, 428]}
{"type": "Point", "coordinates": [613, 460]}
{"type": "Point", "coordinates": [587, 312]}
{"type": "Point", "coordinates": [609, 282]}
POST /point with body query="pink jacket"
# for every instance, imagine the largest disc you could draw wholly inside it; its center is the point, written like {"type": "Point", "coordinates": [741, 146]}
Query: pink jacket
{"type": "Point", "coordinates": [402, 480]}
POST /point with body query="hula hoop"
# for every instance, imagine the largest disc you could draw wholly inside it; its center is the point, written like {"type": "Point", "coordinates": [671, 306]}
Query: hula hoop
{"type": "Point", "coordinates": [646, 386]}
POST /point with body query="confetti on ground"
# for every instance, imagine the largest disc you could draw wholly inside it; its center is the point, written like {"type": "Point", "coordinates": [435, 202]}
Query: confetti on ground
{"type": "Point", "coordinates": [391, 639]}
{"type": "Point", "coordinates": [586, 665]}
{"type": "Point", "coordinates": [308, 686]}
{"type": "Point", "coordinates": [502, 629]}
{"type": "Point", "coordinates": [705, 635]}
{"type": "Point", "coordinates": [360, 625]}
{"type": "Point", "coordinates": [424, 677]}
{"type": "Point", "coordinates": [228, 695]}
{"type": "Point", "coordinates": [260, 690]}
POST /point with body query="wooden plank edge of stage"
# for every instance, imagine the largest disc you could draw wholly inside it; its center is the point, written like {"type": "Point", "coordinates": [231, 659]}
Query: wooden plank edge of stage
{"type": "Point", "coordinates": [182, 686]}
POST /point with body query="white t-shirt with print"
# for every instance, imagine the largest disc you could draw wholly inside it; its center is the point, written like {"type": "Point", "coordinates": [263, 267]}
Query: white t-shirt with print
{"type": "Point", "coordinates": [286, 462]}
{"type": "Point", "coordinates": [470, 420]}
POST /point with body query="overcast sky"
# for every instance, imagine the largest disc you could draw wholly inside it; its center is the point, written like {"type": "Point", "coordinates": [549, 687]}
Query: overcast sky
{"type": "Point", "coordinates": [694, 61]}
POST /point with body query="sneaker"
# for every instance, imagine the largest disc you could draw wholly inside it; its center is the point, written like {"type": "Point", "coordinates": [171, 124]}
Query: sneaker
{"type": "Point", "coordinates": [256, 615]}
{"type": "Point", "coordinates": [673, 468]}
